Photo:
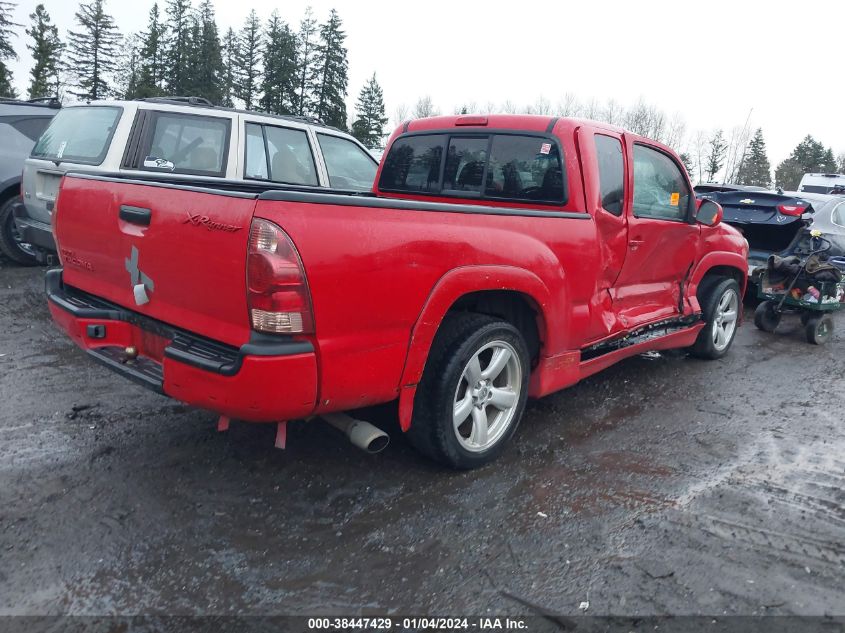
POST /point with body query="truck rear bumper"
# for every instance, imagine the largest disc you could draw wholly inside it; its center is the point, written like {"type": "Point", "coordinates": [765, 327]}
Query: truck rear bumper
{"type": "Point", "coordinates": [269, 379]}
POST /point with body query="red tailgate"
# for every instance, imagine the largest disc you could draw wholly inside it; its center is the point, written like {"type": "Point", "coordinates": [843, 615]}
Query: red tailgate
{"type": "Point", "coordinates": [174, 254]}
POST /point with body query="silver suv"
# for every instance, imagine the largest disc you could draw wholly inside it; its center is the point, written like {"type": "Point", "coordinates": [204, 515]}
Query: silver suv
{"type": "Point", "coordinates": [21, 123]}
{"type": "Point", "coordinates": [186, 139]}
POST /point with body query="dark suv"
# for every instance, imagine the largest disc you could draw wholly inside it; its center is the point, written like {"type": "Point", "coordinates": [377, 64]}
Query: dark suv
{"type": "Point", "coordinates": [21, 123]}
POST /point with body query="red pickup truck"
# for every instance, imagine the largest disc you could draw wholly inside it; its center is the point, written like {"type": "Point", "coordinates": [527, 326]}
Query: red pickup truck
{"type": "Point", "coordinates": [496, 258]}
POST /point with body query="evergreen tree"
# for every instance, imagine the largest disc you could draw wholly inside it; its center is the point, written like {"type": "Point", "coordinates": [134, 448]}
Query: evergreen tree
{"type": "Point", "coordinates": [208, 77]}
{"type": "Point", "coordinates": [228, 77]}
{"type": "Point", "coordinates": [278, 82]}
{"type": "Point", "coordinates": [333, 67]}
{"type": "Point", "coordinates": [686, 159]}
{"type": "Point", "coordinates": [809, 156]}
{"type": "Point", "coordinates": [716, 155]}
{"type": "Point", "coordinates": [128, 74]}
{"type": "Point", "coordinates": [755, 168]}
{"type": "Point", "coordinates": [152, 57]}
{"type": "Point", "coordinates": [46, 51]}
{"type": "Point", "coordinates": [306, 45]}
{"type": "Point", "coordinates": [6, 50]}
{"type": "Point", "coordinates": [177, 47]}
{"type": "Point", "coordinates": [248, 61]}
{"type": "Point", "coordinates": [370, 120]}
{"type": "Point", "coordinates": [93, 52]}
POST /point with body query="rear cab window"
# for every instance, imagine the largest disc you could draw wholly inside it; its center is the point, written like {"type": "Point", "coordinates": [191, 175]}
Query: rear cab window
{"type": "Point", "coordinates": [349, 166]}
{"type": "Point", "coordinates": [495, 166]}
{"type": "Point", "coordinates": [184, 144]}
{"type": "Point", "coordinates": [79, 134]}
{"type": "Point", "coordinates": [611, 169]}
{"type": "Point", "coordinates": [279, 154]}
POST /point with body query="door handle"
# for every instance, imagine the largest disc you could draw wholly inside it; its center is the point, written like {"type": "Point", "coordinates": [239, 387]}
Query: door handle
{"type": "Point", "coordinates": [636, 243]}
{"type": "Point", "coordinates": [135, 215]}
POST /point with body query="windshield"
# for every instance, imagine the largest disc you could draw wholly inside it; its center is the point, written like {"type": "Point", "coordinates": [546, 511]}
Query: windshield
{"type": "Point", "coordinates": [78, 135]}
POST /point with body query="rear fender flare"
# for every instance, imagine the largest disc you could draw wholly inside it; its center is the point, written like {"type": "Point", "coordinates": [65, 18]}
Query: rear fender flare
{"type": "Point", "coordinates": [451, 287]}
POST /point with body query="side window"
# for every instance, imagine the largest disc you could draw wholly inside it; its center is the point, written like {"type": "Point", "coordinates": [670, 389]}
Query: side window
{"type": "Point", "coordinates": [291, 160]}
{"type": "Point", "coordinates": [611, 173]}
{"type": "Point", "coordinates": [660, 189]}
{"type": "Point", "coordinates": [349, 166]}
{"type": "Point", "coordinates": [413, 164]}
{"type": "Point", "coordinates": [525, 168]}
{"type": "Point", "coordinates": [465, 161]}
{"type": "Point", "coordinates": [256, 153]}
{"type": "Point", "coordinates": [186, 143]}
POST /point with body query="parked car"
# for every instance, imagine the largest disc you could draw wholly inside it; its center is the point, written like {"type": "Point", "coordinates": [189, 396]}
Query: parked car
{"type": "Point", "coordinates": [710, 187]}
{"type": "Point", "coordinates": [192, 141]}
{"type": "Point", "coordinates": [779, 223]}
{"type": "Point", "coordinates": [493, 261]}
{"type": "Point", "coordinates": [821, 183]}
{"type": "Point", "coordinates": [21, 123]}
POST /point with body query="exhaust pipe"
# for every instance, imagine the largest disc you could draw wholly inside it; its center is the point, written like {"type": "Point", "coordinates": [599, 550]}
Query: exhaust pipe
{"type": "Point", "coordinates": [362, 434]}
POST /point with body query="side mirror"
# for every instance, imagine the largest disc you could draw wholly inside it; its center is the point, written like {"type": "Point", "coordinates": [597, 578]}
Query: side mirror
{"type": "Point", "coordinates": [709, 213]}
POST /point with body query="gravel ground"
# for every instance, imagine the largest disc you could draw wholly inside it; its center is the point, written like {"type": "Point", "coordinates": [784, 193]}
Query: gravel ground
{"type": "Point", "coordinates": [664, 485]}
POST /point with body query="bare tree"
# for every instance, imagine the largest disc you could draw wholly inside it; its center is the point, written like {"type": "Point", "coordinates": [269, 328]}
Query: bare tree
{"type": "Point", "coordinates": [509, 107]}
{"type": "Point", "coordinates": [401, 113]}
{"type": "Point", "coordinates": [540, 106]}
{"type": "Point", "coordinates": [700, 153]}
{"type": "Point", "coordinates": [737, 145]}
{"type": "Point", "coordinates": [613, 112]}
{"type": "Point", "coordinates": [676, 131]}
{"type": "Point", "coordinates": [425, 108]}
{"type": "Point", "coordinates": [569, 105]}
{"type": "Point", "coordinates": [592, 110]}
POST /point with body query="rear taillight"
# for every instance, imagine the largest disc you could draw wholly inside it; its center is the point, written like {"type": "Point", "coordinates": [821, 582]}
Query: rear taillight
{"type": "Point", "coordinates": [277, 290]}
{"type": "Point", "coordinates": [791, 209]}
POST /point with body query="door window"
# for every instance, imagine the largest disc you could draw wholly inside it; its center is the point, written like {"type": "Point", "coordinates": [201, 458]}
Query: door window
{"type": "Point", "coordinates": [660, 189]}
{"type": "Point", "coordinates": [187, 144]}
{"type": "Point", "coordinates": [349, 166]}
{"type": "Point", "coordinates": [256, 153]}
{"type": "Point", "coordinates": [291, 160]}
{"type": "Point", "coordinates": [611, 173]}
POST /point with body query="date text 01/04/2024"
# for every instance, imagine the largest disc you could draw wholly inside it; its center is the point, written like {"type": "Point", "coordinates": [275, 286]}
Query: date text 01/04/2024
{"type": "Point", "coordinates": [417, 624]}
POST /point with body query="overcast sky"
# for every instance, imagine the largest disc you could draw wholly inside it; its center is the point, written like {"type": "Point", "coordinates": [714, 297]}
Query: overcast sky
{"type": "Point", "coordinates": [712, 60]}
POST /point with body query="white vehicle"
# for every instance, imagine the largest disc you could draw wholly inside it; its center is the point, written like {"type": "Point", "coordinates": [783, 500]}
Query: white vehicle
{"type": "Point", "coordinates": [187, 139]}
{"type": "Point", "coordinates": [821, 183]}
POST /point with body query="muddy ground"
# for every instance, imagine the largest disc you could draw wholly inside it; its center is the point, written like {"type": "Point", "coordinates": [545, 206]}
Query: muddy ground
{"type": "Point", "coordinates": [662, 486]}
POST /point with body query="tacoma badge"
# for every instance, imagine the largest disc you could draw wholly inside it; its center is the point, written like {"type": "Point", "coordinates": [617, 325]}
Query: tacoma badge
{"type": "Point", "coordinates": [141, 284]}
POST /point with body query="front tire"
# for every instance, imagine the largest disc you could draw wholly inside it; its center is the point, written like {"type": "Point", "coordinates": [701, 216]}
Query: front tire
{"type": "Point", "coordinates": [10, 243]}
{"type": "Point", "coordinates": [473, 391]}
{"type": "Point", "coordinates": [720, 305]}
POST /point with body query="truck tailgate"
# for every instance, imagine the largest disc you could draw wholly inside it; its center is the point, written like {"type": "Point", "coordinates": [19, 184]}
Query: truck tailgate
{"type": "Point", "coordinates": [173, 254]}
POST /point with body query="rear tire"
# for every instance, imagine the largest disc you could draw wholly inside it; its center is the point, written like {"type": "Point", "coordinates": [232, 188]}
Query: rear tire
{"type": "Point", "coordinates": [473, 391]}
{"type": "Point", "coordinates": [10, 243]}
{"type": "Point", "coordinates": [766, 317]}
{"type": "Point", "coordinates": [819, 329]}
{"type": "Point", "coordinates": [720, 304]}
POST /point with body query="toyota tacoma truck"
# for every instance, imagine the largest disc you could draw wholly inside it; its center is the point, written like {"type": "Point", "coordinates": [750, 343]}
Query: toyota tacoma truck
{"type": "Point", "coordinates": [497, 258]}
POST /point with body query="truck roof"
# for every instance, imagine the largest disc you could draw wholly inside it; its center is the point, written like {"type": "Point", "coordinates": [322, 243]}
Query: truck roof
{"type": "Point", "coordinates": [528, 122]}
